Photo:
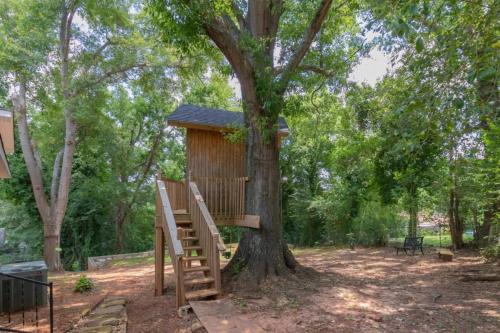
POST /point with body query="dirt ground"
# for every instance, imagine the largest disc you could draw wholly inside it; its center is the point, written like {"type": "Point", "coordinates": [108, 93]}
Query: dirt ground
{"type": "Point", "coordinates": [365, 290]}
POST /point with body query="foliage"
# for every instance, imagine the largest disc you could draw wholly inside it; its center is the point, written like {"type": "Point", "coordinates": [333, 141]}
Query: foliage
{"type": "Point", "coordinates": [359, 159]}
{"type": "Point", "coordinates": [491, 253]}
{"type": "Point", "coordinates": [84, 285]}
{"type": "Point", "coordinates": [375, 223]}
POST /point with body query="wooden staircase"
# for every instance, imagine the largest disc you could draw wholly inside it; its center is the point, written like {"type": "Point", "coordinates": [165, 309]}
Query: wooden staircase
{"type": "Point", "coordinates": [199, 281]}
{"type": "Point", "coordinates": [193, 243]}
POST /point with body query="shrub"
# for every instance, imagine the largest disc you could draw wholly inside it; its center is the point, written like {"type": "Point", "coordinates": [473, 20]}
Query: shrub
{"type": "Point", "coordinates": [491, 253]}
{"type": "Point", "coordinates": [375, 224]}
{"type": "Point", "coordinates": [84, 284]}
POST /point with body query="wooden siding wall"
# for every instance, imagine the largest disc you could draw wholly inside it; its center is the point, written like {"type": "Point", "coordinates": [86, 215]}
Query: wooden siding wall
{"type": "Point", "coordinates": [209, 154]}
{"type": "Point", "coordinates": [177, 194]}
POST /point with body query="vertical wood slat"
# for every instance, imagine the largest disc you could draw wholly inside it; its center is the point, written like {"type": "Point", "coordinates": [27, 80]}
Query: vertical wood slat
{"type": "Point", "coordinates": [224, 197]}
{"type": "Point", "coordinates": [176, 193]}
{"type": "Point", "coordinates": [210, 154]}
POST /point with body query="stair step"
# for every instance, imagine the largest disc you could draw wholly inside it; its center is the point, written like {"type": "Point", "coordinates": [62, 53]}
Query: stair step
{"type": "Point", "coordinates": [189, 238]}
{"type": "Point", "coordinates": [188, 229]}
{"type": "Point", "coordinates": [199, 281]}
{"type": "Point", "coordinates": [200, 293]}
{"type": "Point", "coordinates": [194, 258]}
{"type": "Point", "coordinates": [196, 269]}
{"type": "Point", "coordinates": [191, 248]}
{"type": "Point", "coordinates": [183, 222]}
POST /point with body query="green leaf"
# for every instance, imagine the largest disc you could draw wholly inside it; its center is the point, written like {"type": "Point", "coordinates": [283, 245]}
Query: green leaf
{"type": "Point", "coordinates": [486, 74]}
{"type": "Point", "coordinates": [419, 44]}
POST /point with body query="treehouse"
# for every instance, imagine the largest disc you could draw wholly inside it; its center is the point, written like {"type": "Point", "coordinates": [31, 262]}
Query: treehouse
{"type": "Point", "coordinates": [213, 193]}
{"type": "Point", "coordinates": [6, 141]}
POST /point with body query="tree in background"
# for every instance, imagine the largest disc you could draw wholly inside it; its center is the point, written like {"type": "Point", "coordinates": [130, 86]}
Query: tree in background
{"type": "Point", "coordinates": [64, 73]}
{"type": "Point", "coordinates": [453, 48]}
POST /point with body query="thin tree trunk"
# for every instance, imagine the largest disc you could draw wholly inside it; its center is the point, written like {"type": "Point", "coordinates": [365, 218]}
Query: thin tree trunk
{"type": "Point", "coordinates": [120, 215]}
{"type": "Point", "coordinates": [413, 211]}
{"type": "Point", "coordinates": [454, 220]}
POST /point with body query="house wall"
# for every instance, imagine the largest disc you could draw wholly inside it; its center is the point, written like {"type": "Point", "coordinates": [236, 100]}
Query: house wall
{"type": "Point", "coordinates": [209, 154]}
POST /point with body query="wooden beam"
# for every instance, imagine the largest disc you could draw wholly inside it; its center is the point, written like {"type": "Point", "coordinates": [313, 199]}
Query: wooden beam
{"type": "Point", "coordinates": [159, 261]}
{"type": "Point", "coordinates": [281, 132]}
{"type": "Point", "coordinates": [250, 221]}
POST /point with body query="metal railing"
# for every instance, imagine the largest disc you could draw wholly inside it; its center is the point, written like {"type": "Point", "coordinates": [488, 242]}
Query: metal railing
{"type": "Point", "coordinates": [22, 311]}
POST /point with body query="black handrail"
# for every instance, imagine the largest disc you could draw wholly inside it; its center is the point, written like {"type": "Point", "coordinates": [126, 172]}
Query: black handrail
{"type": "Point", "coordinates": [51, 303]}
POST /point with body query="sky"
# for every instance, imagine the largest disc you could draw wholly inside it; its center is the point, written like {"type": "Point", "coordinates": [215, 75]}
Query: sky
{"type": "Point", "coordinates": [371, 68]}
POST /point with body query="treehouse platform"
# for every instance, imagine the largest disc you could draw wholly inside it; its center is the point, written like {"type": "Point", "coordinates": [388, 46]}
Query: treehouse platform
{"type": "Point", "coordinates": [213, 193]}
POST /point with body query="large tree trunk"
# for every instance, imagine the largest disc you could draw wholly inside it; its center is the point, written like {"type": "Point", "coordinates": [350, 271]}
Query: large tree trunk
{"type": "Point", "coordinates": [262, 252]}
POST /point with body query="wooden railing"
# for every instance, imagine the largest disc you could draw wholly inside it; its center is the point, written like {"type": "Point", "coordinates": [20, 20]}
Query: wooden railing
{"type": "Point", "coordinates": [206, 232]}
{"type": "Point", "coordinates": [166, 221]}
{"type": "Point", "coordinates": [177, 194]}
{"type": "Point", "coordinates": [224, 196]}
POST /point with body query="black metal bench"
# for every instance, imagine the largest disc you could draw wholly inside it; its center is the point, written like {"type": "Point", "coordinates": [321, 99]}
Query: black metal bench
{"type": "Point", "coordinates": [411, 244]}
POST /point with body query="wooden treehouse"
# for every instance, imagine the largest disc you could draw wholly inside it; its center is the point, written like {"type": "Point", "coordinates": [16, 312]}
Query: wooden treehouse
{"type": "Point", "coordinates": [188, 212]}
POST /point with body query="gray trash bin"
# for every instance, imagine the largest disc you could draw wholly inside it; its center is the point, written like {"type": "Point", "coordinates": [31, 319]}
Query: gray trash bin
{"type": "Point", "coordinates": [17, 294]}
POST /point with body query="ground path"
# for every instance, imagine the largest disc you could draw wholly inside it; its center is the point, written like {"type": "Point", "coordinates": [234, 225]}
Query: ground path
{"type": "Point", "coordinates": [366, 290]}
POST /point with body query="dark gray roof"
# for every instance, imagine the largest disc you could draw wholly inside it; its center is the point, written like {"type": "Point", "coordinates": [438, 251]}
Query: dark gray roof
{"type": "Point", "coordinates": [197, 115]}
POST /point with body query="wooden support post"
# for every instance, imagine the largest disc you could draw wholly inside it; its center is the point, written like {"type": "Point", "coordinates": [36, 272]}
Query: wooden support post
{"type": "Point", "coordinates": [180, 290]}
{"type": "Point", "coordinates": [159, 261]}
{"type": "Point", "coordinates": [216, 264]}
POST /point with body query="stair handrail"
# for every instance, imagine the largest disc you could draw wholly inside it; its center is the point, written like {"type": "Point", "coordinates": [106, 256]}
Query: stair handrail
{"type": "Point", "coordinates": [168, 221]}
{"type": "Point", "coordinates": [203, 209]}
{"type": "Point", "coordinates": [208, 235]}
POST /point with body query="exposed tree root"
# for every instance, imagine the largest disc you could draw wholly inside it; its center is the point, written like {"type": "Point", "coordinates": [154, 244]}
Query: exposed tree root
{"type": "Point", "coordinates": [484, 278]}
{"type": "Point", "coordinates": [250, 274]}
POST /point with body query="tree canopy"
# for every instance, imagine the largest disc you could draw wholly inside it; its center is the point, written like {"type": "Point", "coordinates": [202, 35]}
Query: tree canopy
{"type": "Point", "coordinates": [91, 84]}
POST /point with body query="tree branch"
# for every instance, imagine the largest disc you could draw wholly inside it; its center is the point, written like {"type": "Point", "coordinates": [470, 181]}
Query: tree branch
{"type": "Point", "coordinates": [34, 171]}
{"type": "Point", "coordinates": [55, 179]}
{"type": "Point", "coordinates": [308, 68]}
{"type": "Point", "coordinates": [105, 77]}
{"type": "Point", "coordinates": [239, 16]}
{"type": "Point", "coordinates": [307, 40]}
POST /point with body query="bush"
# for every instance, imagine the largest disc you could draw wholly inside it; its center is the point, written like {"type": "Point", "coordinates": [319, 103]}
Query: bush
{"type": "Point", "coordinates": [84, 284]}
{"type": "Point", "coordinates": [375, 224]}
{"type": "Point", "coordinates": [491, 253]}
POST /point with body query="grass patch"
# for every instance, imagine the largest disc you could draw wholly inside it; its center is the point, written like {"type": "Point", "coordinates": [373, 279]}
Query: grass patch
{"type": "Point", "coordinates": [131, 262]}
{"type": "Point", "coordinates": [433, 240]}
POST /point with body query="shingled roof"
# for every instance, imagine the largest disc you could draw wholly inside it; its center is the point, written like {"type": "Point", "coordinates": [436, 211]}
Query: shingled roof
{"type": "Point", "coordinates": [192, 116]}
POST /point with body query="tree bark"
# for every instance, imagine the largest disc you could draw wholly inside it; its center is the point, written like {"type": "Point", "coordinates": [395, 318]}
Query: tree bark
{"type": "Point", "coordinates": [120, 215]}
{"type": "Point", "coordinates": [454, 220]}
{"type": "Point", "coordinates": [262, 252]}
{"type": "Point", "coordinates": [413, 211]}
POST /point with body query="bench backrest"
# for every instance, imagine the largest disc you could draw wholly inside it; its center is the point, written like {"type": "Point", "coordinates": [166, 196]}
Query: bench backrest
{"type": "Point", "coordinates": [413, 242]}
